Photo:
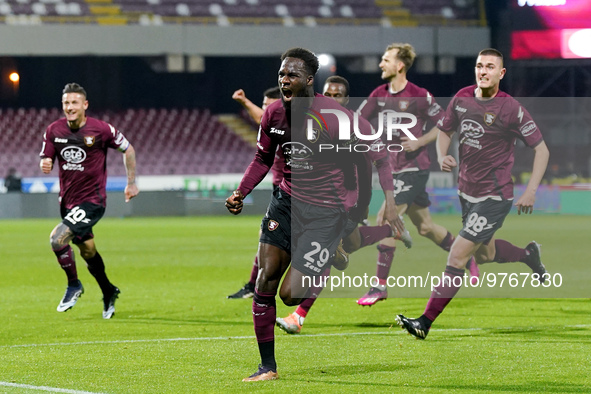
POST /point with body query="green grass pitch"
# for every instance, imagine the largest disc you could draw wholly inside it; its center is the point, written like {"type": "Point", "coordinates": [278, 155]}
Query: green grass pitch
{"type": "Point", "coordinates": [175, 331]}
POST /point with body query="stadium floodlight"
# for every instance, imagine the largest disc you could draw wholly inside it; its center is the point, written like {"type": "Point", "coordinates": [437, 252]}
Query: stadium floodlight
{"type": "Point", "coordinates": [578, 42]}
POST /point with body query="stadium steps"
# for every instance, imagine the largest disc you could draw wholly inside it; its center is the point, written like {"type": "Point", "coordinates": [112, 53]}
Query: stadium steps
{"type": "Point", "coordinates": [237, 125]}
{"type": "Point", "coordinates": [396, 13]}
{"type": "Point", "coordinates": [107, 13]}
{"type": "Point", "coordinates": [104, 9]}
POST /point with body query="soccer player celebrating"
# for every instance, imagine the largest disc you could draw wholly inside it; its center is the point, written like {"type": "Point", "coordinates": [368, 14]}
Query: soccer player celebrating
{"type": "Point", "coordinates": [411, 167]}
{"type": "Point", "coordinates": [256, 113]}
{"type": "Point", "coordinates": [307, 215]}
{"type": "Point", "coordinates": [80, 144]}
{"type": "Point", "coordinates": [489, 121]}
{"type": "Point", "coordinates": [356, 237]}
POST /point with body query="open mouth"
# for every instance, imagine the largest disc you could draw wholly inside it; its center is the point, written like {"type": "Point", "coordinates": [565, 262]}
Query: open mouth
{"type": "Point", "coordinates": [287, 94]}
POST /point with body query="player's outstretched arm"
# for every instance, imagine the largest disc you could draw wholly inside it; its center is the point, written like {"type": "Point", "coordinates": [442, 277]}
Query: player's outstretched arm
{"type": "Point", "coordinates": [46, 165]}
{"type": "Point", "coordinates": [131, 190]}
{"type": "Point", "coordinates": [234, 203]}
{"type": "Point", "coordinates": [254, 111]}
{"type": "Point", "coordinates": [526, 202]}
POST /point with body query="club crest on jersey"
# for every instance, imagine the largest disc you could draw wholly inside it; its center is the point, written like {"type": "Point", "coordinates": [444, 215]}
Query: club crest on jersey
{"type": "Point", "coordinates": [489, 118]}
{"type": "Point", "coordinates": [403, 105]}
{"type": "Point", "coordinates": [273, 225]}
{"type": "Point", "coordinates": [312, 133]}
{"type": "Point", "coordinates": [89, 141]}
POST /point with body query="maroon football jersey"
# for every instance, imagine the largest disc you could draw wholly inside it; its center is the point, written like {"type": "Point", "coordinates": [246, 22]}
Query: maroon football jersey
{"type": "Point", "coordinates": [82, 159]}
{"type": "Point", "coordinates": [311, 174]}
{"type": "Point", "coordinates": [277, 168]}
{"type": "Point", "coordinates": [488, 130]}
{"type": "Point", "coordinates": [412, 100]}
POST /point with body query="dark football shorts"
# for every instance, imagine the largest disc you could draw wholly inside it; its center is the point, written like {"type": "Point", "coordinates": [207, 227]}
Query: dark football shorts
{"type": "Point", "coordinates": [309, 233]}
{"type": "Point", "coordinates": [482, 219]}
{"type": "Point", "coordinates": [276, 225]}
{"type": "Point", "coordinates": [81, 219]}
{"type": "Point", "coordinates": [350, 227]}
{"type": "Point", "coordinates": [410, 187]}
{"type": "Point", "coordinates": [315, 232]}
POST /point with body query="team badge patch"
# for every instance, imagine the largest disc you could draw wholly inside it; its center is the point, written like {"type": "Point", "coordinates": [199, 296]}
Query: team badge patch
{"type": "Point", "coordinates": [312, 135]}
{"type": "Point", "coordinates": [489, 118]}
{"type": "Point", "coordinates": [89, 141]}
{"type": "Point", "coordinates": [273, 225]}
{"type": "Point", "coordinates": [403, 104]}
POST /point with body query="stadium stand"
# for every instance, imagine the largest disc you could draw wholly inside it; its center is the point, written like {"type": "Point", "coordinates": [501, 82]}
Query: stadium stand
{"type": "Point", "coordinates": [226, 12]}
{"type": "Point", "coordinates": [167, 141]}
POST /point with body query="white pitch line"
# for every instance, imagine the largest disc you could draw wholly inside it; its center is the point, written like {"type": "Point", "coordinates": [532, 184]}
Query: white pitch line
{"type": "Point", "coordinates": [341, 334]}
{"type": "Point", "coordinates": [45, 388]}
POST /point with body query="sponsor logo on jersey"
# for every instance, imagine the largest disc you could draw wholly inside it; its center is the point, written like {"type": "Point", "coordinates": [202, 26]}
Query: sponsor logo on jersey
{"type": "Point", "coordinates": [460, 109]}
{"type": "Point", "coordinates": [403, 105]}
{"type": "Point", "coordinates": [276, 131]}
{"type": "Point", "coordinates": [297, 151]}
{"type": "Point", "coordinates": [297, 154]}
{"type": "Point", "coordinates": [489, 118]}
{"type": "Point", "coordinates": [528, 129]}
{"type": "Point", "coordinates": [273, 225]}
{"type": "Point", "coordinates": [72, 167]}
{"type": "Point", "coordinates": [471, 129]}
{"type": "Point", "coordinates": [89, 140]}
{"type": "Point", "coordinates": [61, 140]}
{"type": "Point", "coordinates": [73, 154]}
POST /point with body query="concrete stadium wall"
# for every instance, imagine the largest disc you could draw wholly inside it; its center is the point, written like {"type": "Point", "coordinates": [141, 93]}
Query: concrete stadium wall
{"type": "Point", "coordinates": [550, 200]}
{"type": "Point", "coordinates": [157, 203]}
{"type": "Point", "coordinates": [136, 40]}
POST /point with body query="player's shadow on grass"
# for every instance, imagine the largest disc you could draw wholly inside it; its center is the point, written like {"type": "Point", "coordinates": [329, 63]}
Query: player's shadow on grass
{"type": "Point", "coordinates": [526, 387]}
{"type": "Point", "coordinates": [354, 325]}
{"type": "Point", "coordinates": [140, 318]}
{"type": "Point", "coordinates": [317, 374]}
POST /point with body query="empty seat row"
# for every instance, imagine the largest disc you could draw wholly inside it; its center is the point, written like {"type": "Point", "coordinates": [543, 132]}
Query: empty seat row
{"type": "Point", "coordinates": [167, 141]}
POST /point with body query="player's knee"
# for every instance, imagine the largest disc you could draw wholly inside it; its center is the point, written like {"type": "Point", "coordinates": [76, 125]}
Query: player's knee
{"type": "Point", "coordinates": [290, 301]}
{"type": "Point", "coordinates": [457, 261]}
{"type": "Point", "coordinates": [55, 242]}
{"type": "Point", "coordinates": [87, 254]}
{"type": "Point", "coordinates": [484, 257]}
{"type": "Point", "coordinates": [351, 245]}
{"type": "Point", "coordinates": [424, 228]}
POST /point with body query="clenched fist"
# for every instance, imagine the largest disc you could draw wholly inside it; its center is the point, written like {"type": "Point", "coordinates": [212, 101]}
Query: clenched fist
{"type": "Point", "coordinates": [46, 165]}
{"type": "Point", "coordinates": [234, 202]}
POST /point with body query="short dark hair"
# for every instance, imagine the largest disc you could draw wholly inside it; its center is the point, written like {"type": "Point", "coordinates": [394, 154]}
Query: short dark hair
{"type": "Point", "coordinates": [309, 58]}
{"type": "Point", "coordinates": [73, 87]}
{"type": "Point", "coordinates": [340, 80]}
{"type": "Point", "coordinates": [491, 52]}
{"type": "Point", "coordinates": [273, 93]}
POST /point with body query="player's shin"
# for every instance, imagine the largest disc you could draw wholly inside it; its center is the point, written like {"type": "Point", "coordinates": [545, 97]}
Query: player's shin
{"type": "Point", "coordinates": [444, 292]}
{"type": "Point", "coordinates": [97, 268]}
{"type": "Point", "coordinates": [65, 258]}
{"type": "Point", "coordinates": [385, 258]}
{"type": "Point", "coordinates": [372, 234]}
{"type": "Point", "coordinates": [264, 314]}
{"type": "Point", "coordinates": [506, 252]}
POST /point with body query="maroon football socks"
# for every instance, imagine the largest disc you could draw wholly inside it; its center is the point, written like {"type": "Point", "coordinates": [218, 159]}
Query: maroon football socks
{"type": "Point", "coordinates": [506, 252]}
{"type": "Point", "coordinates": [443, 294]}
{"type": "Point", "coordinates": [65, 257]}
